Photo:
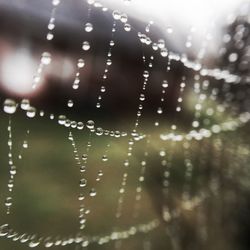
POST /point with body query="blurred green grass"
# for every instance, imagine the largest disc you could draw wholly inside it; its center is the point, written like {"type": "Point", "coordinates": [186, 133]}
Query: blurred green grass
{"type": "Point", "coordinates": [47, 184]}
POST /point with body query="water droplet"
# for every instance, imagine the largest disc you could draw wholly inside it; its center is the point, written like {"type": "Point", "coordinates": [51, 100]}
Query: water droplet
{"type": "Point", "coordinates": [73, 124]}
{"type": "Point", "coordinates": [80, 125]}
{"type": "Point", "coordinates": [142, 97]}
{"type": "Point", "coordinates": [117, 134]}
{"type": "Point", "coordinates": [161, 43]}
{"type": "Point", "coordinates": [34, 242]}
{"type": "Point", "coordinates": [127, 27]}
{"type": "Point", "coordinates": [9, 106]}
{"type": "Point", "coordinates": [81, 197]}
{"type": "Point", "coordinates": [169, 30]}
{"type": "Point", "coordinates": [55, 2]}
{"type": "Point", "coordinates": [51, 26]}
{"type": "Point", "coordinates": [85, 45]}
{"type": "Point", "coordinates": [82, 169]}
{"type": "Point", "coordinates": [4, 230]}
{"type": "Point", "coordinates": [88, 27]}
{"type": "Point", "coordinates": [67, 123]}
{"type": "Point", "coordinates": [126, 163]}
{"type": "Point", "coordinates": [85, 243]}
{"type": "Point", "coordinates": [13, 170]}
{"type": "Point", "coordinates": [61, 119]}
{"type": "Point", "coordinates": [111, 43]}
{"type": "Point", "coordinates": [155, 46]}
{"type": "Point", "coordinates": [109, 62]}
{"type": "Point", "coordinates": [83, 183]}
{"type": "Point", "coordinates": [162, 153]}
{"type": "Point", "coordinates": [116, 14]}
{"type": "Point", "coordinates": [25, 104]}
{"type": "Point", "coordinates": [92, 192]}
{"type": "Point", "coordinates": [80, 63]}
{"type": "Point", "coordinates": [159, 110]}
{"type": "Point", "coordinates": [146, 74]}
{"type": "Point", "coordinates": [124, 18]}
{"type": "Point", "coordinates": [49, 36]}
{"type": "Point", "coordinates": [31, 112]}
{"type": "Point", "coordinates": [183, 85]}
{"type": "Point", "coordinates": [46, 58]}
{"type": "Point", "coordinates": [84, 157]}
{"type": "Point", "coordinates": [90, 124]}
{"type": "Point", "coordinates": [148, 41]}
{"type": "Point", "coordinates": [100, 173]}
{"type": "Point", "coordinates": [147, 29]}
{"type": "Point", "coordinates": [195, 124]}
{"type": "Point", "coordinates": [99, 131]}
{"type": "Point", "coordinates": [75, 85]}
{"type": "Point", "coordinates": [104, 158]}
{"type": "Point", "coordinates": [164, 52]}
{"type": "Point", "coordinates": [233, 57]}
{"type": "Point", "coordinates": [8, 202]}
{"type": "Point", "coordinates": [165, 84]}
{"type": "Point", "coordinates": [70, 103]}
{"type": "Point", "coordinates": [36, 80]}
{"type": "Point", "coordinates": [173, 127]}
{"type": "Point", "coordinates": [11, 184]}
{"type": "Point", "coordinates": [82, 221]}
{"type": "Point", "coordinates": [143, 38]}
{"type": "Point", "coordinates": [48, 242]}
{"type": "Point", "coordinates": [25, 144]}
{"type": "Point", "coordinates": [103, 89]}
{"type": "Point", "coordinates": [179, 99]}
{"type": "Point", "coordinates": [24, 238]}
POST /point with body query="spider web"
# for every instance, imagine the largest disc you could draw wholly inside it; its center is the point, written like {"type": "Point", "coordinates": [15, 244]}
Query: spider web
{"type": "Point", "coordinates": [136, 166]}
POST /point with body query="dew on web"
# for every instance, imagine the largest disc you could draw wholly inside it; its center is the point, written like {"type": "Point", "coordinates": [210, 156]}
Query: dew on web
{"type": "Point", "coordinates": [88, 27]}
{"type": "Point", "coordinates": [46, 56]}
{"type": "Point", "coordinates": [180, 144]}
{"type": "Point", "coordinates": [116, 16]}
{"type": "Point", "coordinates": [9, 106]}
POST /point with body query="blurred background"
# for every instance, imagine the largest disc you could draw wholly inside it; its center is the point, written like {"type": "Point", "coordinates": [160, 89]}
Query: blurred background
{"type": "Point", "coordinates": [196, 191]}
